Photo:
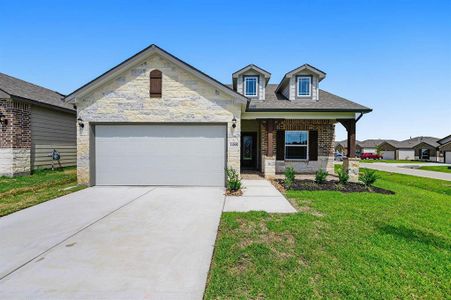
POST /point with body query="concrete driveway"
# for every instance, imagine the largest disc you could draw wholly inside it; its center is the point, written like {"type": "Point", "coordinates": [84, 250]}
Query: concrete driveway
{"type": "Point", "coordinates": [112, 242]}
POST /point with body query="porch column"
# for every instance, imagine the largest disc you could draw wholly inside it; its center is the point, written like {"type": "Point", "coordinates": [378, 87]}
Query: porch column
{"type": "Point", "coordinates": [351, 164]}
{"type": "Point", "coordinates": [349, 124]}
{"type": "Point", "coordinates": [269, 159]}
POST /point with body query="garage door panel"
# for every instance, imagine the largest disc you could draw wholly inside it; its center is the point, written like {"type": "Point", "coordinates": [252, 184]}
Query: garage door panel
{"type": "Point", "coordinates": [160, 154]}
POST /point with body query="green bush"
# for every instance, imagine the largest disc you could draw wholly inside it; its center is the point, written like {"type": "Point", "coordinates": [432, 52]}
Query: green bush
{"type": "Point", "coordinates": [343, 176]}
{"type": "Point", "coordinates": [233, 180]}
{"type": "Point", "coordinates": [289, 177]}
{"type": "Point", "coordinates": [368, 177]}
{"type": "Point", "coordinates": [320, 176]}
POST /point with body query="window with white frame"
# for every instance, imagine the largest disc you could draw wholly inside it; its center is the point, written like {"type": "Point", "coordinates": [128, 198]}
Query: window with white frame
{"type": "Point", "coordinates": [296, 144]}
{"type": "Point", "coordinates": [250, 86]}
{"type": "Point", "coordinates": [304, 86]}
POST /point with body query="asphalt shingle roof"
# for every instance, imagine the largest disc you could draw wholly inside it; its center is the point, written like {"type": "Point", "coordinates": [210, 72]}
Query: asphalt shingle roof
{"type": "Point", "coordinates": [327, 102]}
{"type": "Point", "coordinates": [11, 86]}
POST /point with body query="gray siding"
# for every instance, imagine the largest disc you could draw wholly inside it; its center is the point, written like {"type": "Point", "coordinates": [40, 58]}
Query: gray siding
{"type": "Point", "coordinates": [52, 129]}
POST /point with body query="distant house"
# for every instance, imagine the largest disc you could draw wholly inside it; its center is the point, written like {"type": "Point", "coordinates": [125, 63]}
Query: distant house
{"type": "Point", "coordinates": [366, 146]}
{"type": "Point", "coordinates": [445, 148]}
{"type": "Point", "coordinates": [342, 147]}
{"type": "Point", "coordinates": [417, 148]}
{"type": "Point", "coordinates": [33, 122]}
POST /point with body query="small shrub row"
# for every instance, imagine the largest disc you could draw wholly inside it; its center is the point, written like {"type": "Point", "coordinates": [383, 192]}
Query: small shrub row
{"type": "Point", "coordinates": [367, 177]}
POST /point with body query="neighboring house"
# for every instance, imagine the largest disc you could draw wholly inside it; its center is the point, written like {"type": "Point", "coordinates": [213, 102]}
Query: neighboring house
{"type": "Point", "coordinates": [427, 149]}
{"type": "Point", "coordinates": [342, 147]}
{"type": "Point", "coordinates": [445, 148]}
{"type": "Point", "coordinates": [417, 148]}
{"type": "Point", "coordinates": [370, 145]}
{"type": "Point", "coordinates": [156, 120]}
{"type": "Point", "coordinates": [33, 121]}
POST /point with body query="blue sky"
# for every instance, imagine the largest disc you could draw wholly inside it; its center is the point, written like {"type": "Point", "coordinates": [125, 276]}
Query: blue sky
{"type": "Point", "coordinates": [393, 56]}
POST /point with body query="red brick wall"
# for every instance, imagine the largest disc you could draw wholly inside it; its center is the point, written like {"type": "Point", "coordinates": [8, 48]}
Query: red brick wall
{"type": "Point", "coordinates": [325, 128]}
{"type": "Point", "coordinates": [17, 133]}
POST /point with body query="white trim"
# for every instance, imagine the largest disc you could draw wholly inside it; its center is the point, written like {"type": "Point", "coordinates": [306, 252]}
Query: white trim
{"type": "Point", "coordinates": [298, 79]}
{"type": "Point", "coordinates": [306, 146]}
{"type": "Point", "coordinates": [245, 85]}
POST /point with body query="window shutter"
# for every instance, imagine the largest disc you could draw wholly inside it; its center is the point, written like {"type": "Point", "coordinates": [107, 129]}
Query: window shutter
{"type": "Point", "coordinates": [155, 84]}
{"type": "Point", "coordinates": [313, 145]}
{"type": "Point", "coordinates": [280, 145]}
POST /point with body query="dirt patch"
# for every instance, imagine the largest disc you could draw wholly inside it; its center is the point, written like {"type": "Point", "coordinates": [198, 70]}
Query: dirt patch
{"type": "Point", "coordinates": [310, 185]}
{"type": "Point", "coordinates": [234, 193]}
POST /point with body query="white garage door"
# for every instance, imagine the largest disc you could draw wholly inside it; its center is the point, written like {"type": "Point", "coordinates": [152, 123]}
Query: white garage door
{"type": "Point", "coordinates": [406, 154]}
{"type": "Point", "coordinates": [160, 155]}
{"type": "Point", "coordinates": [389, 155]}
{"type": "Point", "coordinates": [448, 157]}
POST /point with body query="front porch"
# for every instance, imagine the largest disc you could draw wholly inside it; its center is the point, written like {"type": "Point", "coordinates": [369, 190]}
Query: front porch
{"type": "Point", "coordinates": [269, 146]}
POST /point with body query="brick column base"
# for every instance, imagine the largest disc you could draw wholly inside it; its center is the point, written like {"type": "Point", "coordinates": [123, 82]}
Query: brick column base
{"type": "Point", "coordinates": [352, 167]}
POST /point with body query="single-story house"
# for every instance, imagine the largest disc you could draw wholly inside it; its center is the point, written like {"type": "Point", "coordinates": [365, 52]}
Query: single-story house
{"type": "Point", "coordinates": [427, 149]}
{"type": "Point", "coordinates": [445, 148]}
{"type": "Point", "coordinates": [156, 120]}
{"type": "Point", "coordinates": [370, 145]}
{"type": "Point", "coordinates": [342, 147]}
{"type": "Point", "coordinates": [417, 148]}
{"type": "Point", "coordinates": [33, 122]}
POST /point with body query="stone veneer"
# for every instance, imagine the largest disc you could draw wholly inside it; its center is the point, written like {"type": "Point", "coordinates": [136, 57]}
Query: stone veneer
{"type": "Point", "coordinates": [185, 99]}
{"type": "Point", "coordinates": [326, 137]}
{"type": "Point", "coordinates": [15, 138]}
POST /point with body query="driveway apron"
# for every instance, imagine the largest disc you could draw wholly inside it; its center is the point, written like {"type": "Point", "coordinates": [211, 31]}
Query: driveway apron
{"type": "Point", "coordinates": [158, 246]}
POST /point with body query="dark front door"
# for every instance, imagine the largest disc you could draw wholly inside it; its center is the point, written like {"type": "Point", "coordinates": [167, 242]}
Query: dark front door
{"type": "Point", "coordinates": [248, 150]}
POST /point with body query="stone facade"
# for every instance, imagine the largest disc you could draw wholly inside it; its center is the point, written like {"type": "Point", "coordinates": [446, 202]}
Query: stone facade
{"type": "Point", "coordinates": [15, 138]}
{"type": "Point", "coordinates": [352, 167]}
{"type": "Point", "coordinates": [185, 99]}
{"type": "Point", "coordinates": [326, 137]}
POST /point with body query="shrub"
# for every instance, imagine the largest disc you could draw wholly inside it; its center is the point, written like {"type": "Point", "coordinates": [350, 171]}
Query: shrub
{"type": "Point", "coordinates": [289, 177]}
{"type": "Point", "coordinates": [343, 176]}
{"type": "Point", "coordinates": [320, 176]}
{"type": "Point", "coordinates": [368, 177]}
{"type": "Point", "coordinates": [233, 180]}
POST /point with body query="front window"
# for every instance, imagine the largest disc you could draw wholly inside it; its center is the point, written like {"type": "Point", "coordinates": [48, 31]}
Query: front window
{"type": "Point", "coordinates": [250, 86]}
{"type": "Point", "coordinates": [424, 154]}
{"type": "Point", "coordinates": [296, 144]}
{"type": "Point", "coordinates": [304, 83]}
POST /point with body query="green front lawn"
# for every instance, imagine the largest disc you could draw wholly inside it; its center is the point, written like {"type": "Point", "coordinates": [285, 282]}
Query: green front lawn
{"type": "Point", "coordinates": [349, 246]}
{"type": "Point", "coordinates": [388, 161]}
{"type": "Point", "coordinates": [436, 168]}
{"type": "Point", "coordinates": [21, 192]}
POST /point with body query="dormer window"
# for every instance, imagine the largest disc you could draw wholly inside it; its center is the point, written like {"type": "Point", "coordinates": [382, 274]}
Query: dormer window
{"type": "Point", "coordinates": [304, 84]}
{"type": "Point", "coordinates": [250, 86]}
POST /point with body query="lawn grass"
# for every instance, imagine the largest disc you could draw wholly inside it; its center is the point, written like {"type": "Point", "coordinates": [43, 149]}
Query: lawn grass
{"type": "Point", "coordinates": [21, 192]}
{"type": "Point", "coordinates": [389, 161]}
{"type": "Point", "coordinates": [353, 246]}
{"type": "Point", "coordinates": [443, 169]}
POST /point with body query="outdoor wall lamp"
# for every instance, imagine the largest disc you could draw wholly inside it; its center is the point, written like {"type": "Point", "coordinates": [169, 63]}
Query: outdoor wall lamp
{"type": "Point", "coordinates": [80, 122]}
{"type": "Point", "coordinates": [3, 120]}
{"type": "Point", "coordinates": [234, 122]}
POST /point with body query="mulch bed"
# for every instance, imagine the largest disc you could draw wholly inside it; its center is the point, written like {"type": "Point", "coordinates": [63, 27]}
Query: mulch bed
{"type": "Point", "coordinates": [234, 193]}
{"type": "Point", "coordinates": [310, 185]}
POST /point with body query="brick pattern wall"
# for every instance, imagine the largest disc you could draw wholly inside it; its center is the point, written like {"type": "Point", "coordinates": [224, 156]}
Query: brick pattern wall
{"type": "Point", "coordinates": [15, 138]}
{"type": "Point", "coordinates": [326, 138]}
{"type": "Point", "coordinates": [17, 133]}
{"type": "Point", "coordinates": [325, 128]}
